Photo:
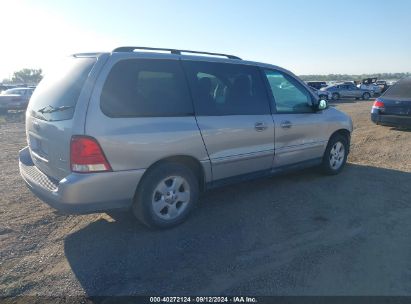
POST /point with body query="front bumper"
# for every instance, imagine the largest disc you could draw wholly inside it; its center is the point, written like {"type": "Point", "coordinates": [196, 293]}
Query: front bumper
{"type": "Point", "coordinates": [81, 193]}
{"type": "Point", "coordinates": [391, 120]}
{"type": "Point", "coordinates": [325, 93]}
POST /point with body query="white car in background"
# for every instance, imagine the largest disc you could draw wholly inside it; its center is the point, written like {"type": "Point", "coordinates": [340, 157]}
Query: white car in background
{"type": "Point", "coordinates": [322, 94]}
{"type": "Point", "coordinates": [371, 85]}
{"type": "Point", "coordinates": [15, 99]}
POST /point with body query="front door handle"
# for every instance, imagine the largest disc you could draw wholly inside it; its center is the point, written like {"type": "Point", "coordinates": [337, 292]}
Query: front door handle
{"type": "Point", "coordinates": [260, 126]}
{"type": "Point", "coordinates": [286, 124]}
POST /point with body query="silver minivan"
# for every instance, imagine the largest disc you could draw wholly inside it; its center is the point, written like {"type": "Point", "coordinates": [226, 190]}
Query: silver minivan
{"type": "Point", "coordinates": [150, 129]}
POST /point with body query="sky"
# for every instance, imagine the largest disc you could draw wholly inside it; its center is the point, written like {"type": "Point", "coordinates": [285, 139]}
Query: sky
{"type": "Point", "coordinates": [306, 37]}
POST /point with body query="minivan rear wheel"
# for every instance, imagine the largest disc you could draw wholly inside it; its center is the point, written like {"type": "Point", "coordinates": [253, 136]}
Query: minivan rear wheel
{"type": "Point", "coordinates": [166, 195]}
{"type": "Point", "coordinates": [335, 156]}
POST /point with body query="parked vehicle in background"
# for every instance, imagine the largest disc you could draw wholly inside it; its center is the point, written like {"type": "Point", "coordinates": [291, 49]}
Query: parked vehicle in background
{"type": "Point", "coordinates": [316, 84]}
{"type": "Point", "coordinates": [371, 85]}
{"type": "Point", "coordinates": [151, 130]}
{"type": "Point", "coordinates": [347, 91]}
{"type": "Point", "coordinates": [383, 85]}
{"type": "Point", "coordinates": [322, 94]}
{"type": "Point", "coordinates": [4, 87]}
{"type": "Point", "coordinates": [393, 108]}
{"type": "Point", "coordinates": [15, 99]}
{"type": "Point", "coordinates": [349, 83]}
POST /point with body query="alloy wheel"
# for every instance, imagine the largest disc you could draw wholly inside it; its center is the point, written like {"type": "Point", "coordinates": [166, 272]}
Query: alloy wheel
{"type": "Point", "coordinates": [171, 197]}
{"type": "Point", "coordinates": [337, 154]}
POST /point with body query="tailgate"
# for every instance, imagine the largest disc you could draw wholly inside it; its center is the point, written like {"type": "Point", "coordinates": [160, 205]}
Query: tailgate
{"type": "Point", "coordinates": [49, 144]}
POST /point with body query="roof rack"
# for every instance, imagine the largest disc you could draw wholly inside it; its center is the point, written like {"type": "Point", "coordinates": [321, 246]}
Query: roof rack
{"type": "Point", "coordinates": [172, 51]}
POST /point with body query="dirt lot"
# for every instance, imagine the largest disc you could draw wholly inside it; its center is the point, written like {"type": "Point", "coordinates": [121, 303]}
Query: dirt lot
{"type": "Point", "coordinates": [303, 233]}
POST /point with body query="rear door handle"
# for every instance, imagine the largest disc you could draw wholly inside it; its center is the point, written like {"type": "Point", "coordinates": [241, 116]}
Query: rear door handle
{"type": "Point", "coordinates": [286, 124]}
{"type": "Point", "coordinates": [260, 126]}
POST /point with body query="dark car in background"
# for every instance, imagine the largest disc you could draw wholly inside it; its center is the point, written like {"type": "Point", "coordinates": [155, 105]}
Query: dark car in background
{"type": "Point", "coordinates": [393, 108]}
{"type": "Point", "coordinates": [316, 84]}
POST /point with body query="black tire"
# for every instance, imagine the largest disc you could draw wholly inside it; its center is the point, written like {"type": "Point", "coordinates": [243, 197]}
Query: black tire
{"type": "Point", "coordinates": [145, 195]}
{"type": "Point", "coordinates": [366, 96]}
{"type": "Point", "coordinates": [327, 158]}
{"type": "Point", "coordinates": [335, 96]}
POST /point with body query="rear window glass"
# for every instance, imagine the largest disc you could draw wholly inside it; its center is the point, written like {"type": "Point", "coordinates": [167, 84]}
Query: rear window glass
{"type": "Point", "coordinates": [146, 87]}
{"type": "Point", "coordinates": [402, 89]}
{"type": "Point", "coordinates": [56, 95]}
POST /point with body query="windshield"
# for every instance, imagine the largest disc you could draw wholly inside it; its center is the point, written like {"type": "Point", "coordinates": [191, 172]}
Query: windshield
{"type": "Point", "coordinates": [60, 89]}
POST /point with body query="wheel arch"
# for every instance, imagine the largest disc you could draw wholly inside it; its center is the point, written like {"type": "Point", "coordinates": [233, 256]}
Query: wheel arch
{"type": "Point", "coordinates": [186, 160]}
{"type": "Point", "coordinates": [336, 94]}
{"type": "Point", "coordinates": [344, 132]}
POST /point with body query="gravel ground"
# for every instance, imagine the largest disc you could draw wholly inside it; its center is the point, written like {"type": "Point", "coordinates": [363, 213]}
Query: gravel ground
{"type": "Point", "coordinates": [298, 234]}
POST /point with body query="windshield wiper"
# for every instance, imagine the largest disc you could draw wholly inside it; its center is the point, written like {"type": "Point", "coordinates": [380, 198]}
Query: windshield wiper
{"type": "Point", "coordinates": [51, 109]}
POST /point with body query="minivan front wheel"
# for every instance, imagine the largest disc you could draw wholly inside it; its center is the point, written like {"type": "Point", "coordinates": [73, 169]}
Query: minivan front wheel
{"type": "Point", "coordinates": [335, 155]}
{"type": "Point", "coordinates": [166, 195]}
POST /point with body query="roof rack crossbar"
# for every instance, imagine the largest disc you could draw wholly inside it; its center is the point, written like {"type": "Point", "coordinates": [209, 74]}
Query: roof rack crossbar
{"type": "Point", "coordinates": [172, 51]}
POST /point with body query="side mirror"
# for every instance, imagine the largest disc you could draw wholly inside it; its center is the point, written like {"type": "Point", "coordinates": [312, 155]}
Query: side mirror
{"type": "Point", "coordinates": [322, 105]}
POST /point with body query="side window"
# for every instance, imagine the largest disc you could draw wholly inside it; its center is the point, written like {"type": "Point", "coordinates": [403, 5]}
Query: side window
{"type": "Point", "coordinates": [146, 87]}
{"type": "Point", "coordinates": [226, 89]}
{"type": "Point", "coordinates": [289, 96]}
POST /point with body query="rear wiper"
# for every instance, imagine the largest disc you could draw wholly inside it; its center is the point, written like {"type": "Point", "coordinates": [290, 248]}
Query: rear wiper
{"type": "Point", "coordinates": [51, 109]}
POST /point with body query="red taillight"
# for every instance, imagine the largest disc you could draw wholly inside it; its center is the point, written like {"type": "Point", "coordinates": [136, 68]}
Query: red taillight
{"type": "Point", "coordinates": [378, 104]}
{"type": "Point", "coordinates": [86, 155]}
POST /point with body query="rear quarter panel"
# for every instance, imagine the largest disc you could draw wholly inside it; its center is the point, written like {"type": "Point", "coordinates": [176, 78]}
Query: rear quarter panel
{"type": "Point", "coordinates": [138, 142]}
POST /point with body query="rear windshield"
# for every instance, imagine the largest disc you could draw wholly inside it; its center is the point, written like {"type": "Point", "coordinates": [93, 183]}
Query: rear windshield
{"type": "Point", "coordinates": [400, 90]}
{"type": "Point", "coordinates": [56, 96]}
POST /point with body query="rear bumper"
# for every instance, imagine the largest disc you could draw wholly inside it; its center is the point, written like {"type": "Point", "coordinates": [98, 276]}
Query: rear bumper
{"type": "Point", "coordinates": [81, 193]}
{"type": "Point", "coordinates": [391, 120]}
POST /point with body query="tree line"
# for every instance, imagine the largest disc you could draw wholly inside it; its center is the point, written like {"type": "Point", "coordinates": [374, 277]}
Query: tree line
{"type": "Point", "coordinates": [33, 77]}
{"type": "Point", "coordinates": [25, 76]}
